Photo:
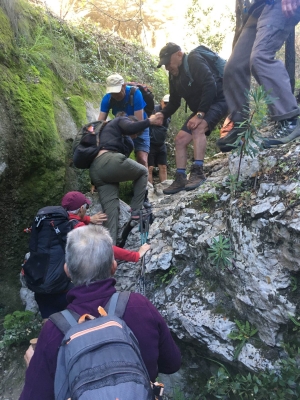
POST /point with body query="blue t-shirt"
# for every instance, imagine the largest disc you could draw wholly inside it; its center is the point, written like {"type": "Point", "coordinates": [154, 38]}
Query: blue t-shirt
{"type": "Point", "coordinates": [124, 105]}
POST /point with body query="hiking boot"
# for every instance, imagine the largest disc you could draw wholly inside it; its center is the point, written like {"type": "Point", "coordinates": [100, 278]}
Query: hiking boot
{"type": "Point", "coordinates": [136, 214]}
{"type": "Point", "coordinates": [284, 132]}
{"type": "Point", "coordinates": [197, 177]}
{"type": "Point", "coordinates": [225, 143]}
{"type": "Point", "coordinates": [178, 184]}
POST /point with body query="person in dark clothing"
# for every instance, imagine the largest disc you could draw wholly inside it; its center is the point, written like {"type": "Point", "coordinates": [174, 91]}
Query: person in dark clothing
{"type": "Point", "coordinates": [76, 205]}
{"type": "Point", "coordinates": [90, 265]}
{"type": "Point", "coordinates": [268, 26]}
{"type": "Point", "coordinates": [157, 156]}
{"type": "Point", "coordinates": [112, 166]}
{"type": "Point", "coordinates": [206, 100]}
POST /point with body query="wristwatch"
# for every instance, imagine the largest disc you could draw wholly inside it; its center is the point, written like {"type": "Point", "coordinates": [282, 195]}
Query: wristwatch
{"type": "Point", "coordinates": [200, 115]}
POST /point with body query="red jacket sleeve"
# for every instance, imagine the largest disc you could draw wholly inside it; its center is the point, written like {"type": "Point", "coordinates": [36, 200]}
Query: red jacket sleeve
{"type": "Point", "coordinates": [125, 255]}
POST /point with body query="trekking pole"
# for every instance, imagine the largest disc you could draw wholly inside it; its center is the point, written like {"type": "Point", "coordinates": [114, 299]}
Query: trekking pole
{"type": "Point", "coordinates": [144, 230]}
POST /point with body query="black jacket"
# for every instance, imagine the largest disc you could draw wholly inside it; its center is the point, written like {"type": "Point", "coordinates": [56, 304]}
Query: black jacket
{"type": "Point", "coordinates": [204, 91]}
{"type": "Point", "coordinates": [114, 134]}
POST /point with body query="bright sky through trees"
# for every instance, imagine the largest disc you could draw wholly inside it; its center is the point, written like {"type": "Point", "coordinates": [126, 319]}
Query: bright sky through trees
{"type": "Point", "coordinates": [171, 25]}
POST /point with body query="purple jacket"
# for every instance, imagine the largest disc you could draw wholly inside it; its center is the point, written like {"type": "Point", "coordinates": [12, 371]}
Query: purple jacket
{"type": "Point", "coordinates": [158, 349]}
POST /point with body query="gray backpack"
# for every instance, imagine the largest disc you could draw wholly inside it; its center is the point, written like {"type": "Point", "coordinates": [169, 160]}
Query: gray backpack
{"type": "Point", "coordinates": [100, 358]}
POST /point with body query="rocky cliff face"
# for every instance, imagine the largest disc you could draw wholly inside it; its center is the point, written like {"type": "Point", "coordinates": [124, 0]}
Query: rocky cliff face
{"type": "Point", "coordinates": [200, 301]}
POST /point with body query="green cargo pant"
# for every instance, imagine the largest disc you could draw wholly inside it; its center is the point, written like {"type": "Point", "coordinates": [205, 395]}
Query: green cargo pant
{"type": "Point", "coordinates": [106, 172]}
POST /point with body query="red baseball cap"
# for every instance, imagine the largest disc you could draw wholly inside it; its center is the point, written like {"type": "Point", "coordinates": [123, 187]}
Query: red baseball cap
{"type": "Point", "coordinates": [74, 200]}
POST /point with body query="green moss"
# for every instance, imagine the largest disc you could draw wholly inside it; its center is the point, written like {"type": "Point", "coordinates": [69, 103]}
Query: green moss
{"type": "Point", "coordinates": [6, 38]}
{"type": "Point", "coordinates": [78, 110]}
{"type": "Point", "coordinates": [31, 103]}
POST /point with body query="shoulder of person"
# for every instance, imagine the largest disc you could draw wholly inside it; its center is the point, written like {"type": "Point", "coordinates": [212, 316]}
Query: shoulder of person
{"type": "Point", "coordinates": [106, 97]}
{"type": "Point", "coordinates": [138, 300]}
{"type": "Point", "coordinates": [195, 57]}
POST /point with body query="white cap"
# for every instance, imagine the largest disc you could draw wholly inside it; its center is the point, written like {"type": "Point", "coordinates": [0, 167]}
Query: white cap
{"type": "Point", "coordinates": [166, 98]}
{"type": "Point", "coordinates": [114, 83]}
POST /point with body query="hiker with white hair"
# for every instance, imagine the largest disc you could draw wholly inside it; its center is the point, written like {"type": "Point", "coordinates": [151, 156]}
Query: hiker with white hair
{"type": "Point", "coordinates": [90, 264]}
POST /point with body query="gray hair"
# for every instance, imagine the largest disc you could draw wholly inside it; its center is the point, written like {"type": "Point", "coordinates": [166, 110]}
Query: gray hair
{"type": "Point", "coordinates": [89, 254]}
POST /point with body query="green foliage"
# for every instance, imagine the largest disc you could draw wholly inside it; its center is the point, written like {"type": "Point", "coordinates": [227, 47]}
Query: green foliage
{"type": "Point", "coordinates": [205, 201]}
{"type": "Point", "coordinates": [178, 394]}
{"type": "Point", "coordinates": [220, 252]}
{"type": "Point", "coordinates": [165, 277]}
{"type": "Point", "coordinates": [246, 196]}
{"type": "Point", "coordinates": [244, 332]}
{"type": "Point", "coordinates": [256, 110]}
{"type": "Point", "coordinates": [208, 29]}
{"type": "Point", "coordinates": [20, 326]}
{"type": "Point", "coordinates": [6, 38]}
{"type": "Point", "coordinates": [296, 323]}
{"type": "Point", "coordinates": [294, 283]}
{"type": "Point", "coordinates": [233, 183]}
{"type": "Point", "coordinates": [78, 109]}
{"type": "Point", "coordinates": [278, 384]}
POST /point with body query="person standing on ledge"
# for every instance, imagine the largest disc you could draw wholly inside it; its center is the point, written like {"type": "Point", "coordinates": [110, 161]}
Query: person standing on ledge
{"type": "Point", "coordinates": [269, 24]}
{"type": "Point", "coordinates": [158, 149]}
{"type": "Point", "coordinates": [204, 96]}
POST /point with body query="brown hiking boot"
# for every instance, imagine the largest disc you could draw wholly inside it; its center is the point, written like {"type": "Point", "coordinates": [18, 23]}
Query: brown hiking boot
{"type": "Point", "coordinates": [178, 184]}
{"type": "Point", "coordinates": [197, 177]}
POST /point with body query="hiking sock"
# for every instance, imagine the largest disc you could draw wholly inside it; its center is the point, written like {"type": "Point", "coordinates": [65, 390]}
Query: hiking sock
{"type": "Point", "coordinates": [181, 171]}
{"type": "Point", "coordinates": [198, 162]}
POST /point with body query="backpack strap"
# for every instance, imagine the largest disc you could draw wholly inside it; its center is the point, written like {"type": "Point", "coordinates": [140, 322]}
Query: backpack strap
{"type": "Point", "coordinates": [117, 304]}
{"type": "Point", "coordinates": [63, 320]}
{"type": "Point", "coordinates": [133, 89]}
{"type": "Point", "coordinates": [187, 69]}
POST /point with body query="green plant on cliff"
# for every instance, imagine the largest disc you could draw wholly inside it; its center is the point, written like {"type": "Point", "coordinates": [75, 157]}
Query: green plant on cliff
{"type": "Point", "coordinates": [249, 140]}
{"type": "Point", "coordinates": [20, 326]}
{"type": "Point", "coordinates": [280, 383]}
{"type": "Point", "coordinates": [165, 277]}
{"type": "Point", "coordinates": [296, 322]}
{"type": "Point", "coordinates": [220, 252]}
{"type": "Point", "coordinates": [243, 334]}
{"type": "Point", "coordinates": [207, 201]}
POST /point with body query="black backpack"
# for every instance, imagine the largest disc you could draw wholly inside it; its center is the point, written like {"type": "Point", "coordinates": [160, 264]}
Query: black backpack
{"type": "Point", "coordinates": [44, 270]}
{"type": "Point", "coordinates": [86, 145]}
{"type": "Point", "coordinates": [99, 358]}
{"type": "Point", "coordinates": [148, 97]}
{"type": "Point", "coordinates": [215, 62]}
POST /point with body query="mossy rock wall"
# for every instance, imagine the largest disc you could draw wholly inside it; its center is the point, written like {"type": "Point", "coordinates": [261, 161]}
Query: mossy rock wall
{"type": "Point", "coordinates": [47, 91]}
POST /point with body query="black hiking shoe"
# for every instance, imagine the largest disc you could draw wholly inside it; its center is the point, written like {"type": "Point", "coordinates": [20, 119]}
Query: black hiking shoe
{"type": "Point", "coordinates": [178, 184]}
{"type": "Point", "coordinates": [284, 132]}
{"type": "Point", "coordinates": [225, 143]}
{"type": "Point", "coordinates": [197, 177]}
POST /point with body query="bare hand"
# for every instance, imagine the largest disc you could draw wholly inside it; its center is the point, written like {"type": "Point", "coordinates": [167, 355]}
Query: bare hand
{"type": "Point", "coordinates": [98, 218]}
{"type": "Point", "coordinates": [197, 123]}
{"type": "Point", "coordinates": [289, 7]}
{"type": "Point", "coordinates": [143, 249]}
{"type": "Point", "coordinates": [28, 355]}
{"type": "Point", "coordinates": [193, 123]}
{"type": "Point", "coordinates": [93, 188]}
{"type": "Point", "coordinates": [156, 119]}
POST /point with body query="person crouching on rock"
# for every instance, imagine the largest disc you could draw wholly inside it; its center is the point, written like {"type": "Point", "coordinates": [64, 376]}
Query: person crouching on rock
{"type": "Point", "coordinates": [112, 166]}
